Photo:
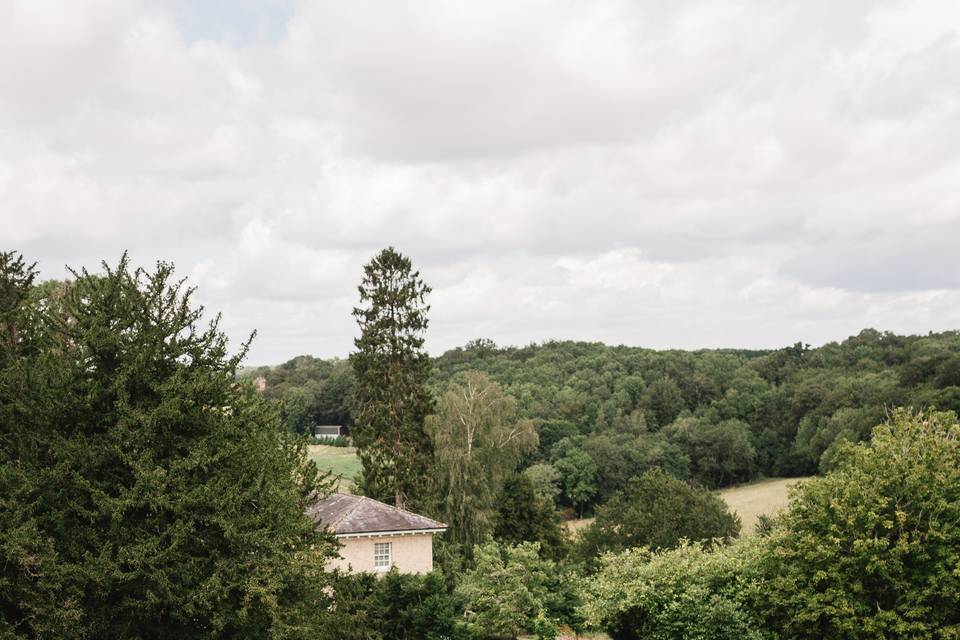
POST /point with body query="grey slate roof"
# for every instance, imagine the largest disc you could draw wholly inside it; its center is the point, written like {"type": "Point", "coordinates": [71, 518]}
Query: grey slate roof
{"type": "Point", "coordinates": [343, 513]}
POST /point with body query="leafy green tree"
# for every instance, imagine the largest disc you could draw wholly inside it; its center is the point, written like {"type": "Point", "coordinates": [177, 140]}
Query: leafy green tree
{"type": "Point", "coordinates": [696, 592]}
{"type": "Point", "coordinates": [391, 370]}
{"type": "Point", "coordinates": [513, 589]}
{"type": "Point", "coordinates": [658, 511]}
{"type": "Point", "coordinates": [872, 549]}
{"type": "Point", "coordinates": [477, 442]}
{"type": "Point", "coordinates": [720, 453]}
{"type": "Point", "coordinates": [578, 473]}
{"type": "Point", "coordinates": [545, 481]}
{"type": "Point", "coordinates": [663, 402]}
{"type": "Point", "coordinates": [144, 492]}
{"type": "Point", "coordinates": [297, 405]}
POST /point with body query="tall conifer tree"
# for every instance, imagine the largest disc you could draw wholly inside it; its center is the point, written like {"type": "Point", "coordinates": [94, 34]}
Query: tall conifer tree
{"type": "Point", "coordinates": [392, 368]}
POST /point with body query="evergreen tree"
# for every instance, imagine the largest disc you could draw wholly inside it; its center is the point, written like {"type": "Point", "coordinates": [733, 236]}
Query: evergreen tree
{"type": "Point", "coordinates": [145, 492]}
{"type": "Point", "coordinates": [392, 368]}
{"type": "Point", "coordinates": [523, 517]}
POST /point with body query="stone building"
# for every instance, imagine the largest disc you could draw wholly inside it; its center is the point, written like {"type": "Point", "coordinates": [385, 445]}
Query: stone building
{"type": "Point", "coordinates": [375, 536]}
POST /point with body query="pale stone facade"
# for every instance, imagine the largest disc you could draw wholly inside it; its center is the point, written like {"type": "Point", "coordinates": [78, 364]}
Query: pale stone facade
{"type": "Point", "coordinates": [376, 537]}
{"type": "Point", "coordinates": [411, 553]}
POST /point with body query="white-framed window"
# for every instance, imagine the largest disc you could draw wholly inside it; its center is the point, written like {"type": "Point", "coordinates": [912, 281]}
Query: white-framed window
{"type": "Point", "coordinates": [381, 556]}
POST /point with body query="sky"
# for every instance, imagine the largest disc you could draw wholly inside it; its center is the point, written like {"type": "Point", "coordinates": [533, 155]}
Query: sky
{"type": "Point", "coordinates": [724, 173]}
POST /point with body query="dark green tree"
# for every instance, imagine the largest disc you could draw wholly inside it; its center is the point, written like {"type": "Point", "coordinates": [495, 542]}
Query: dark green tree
{"type": "Point", "coordinates": [663, 402]}
{"type": "Point", "coordinates": [145, 492]}
{"type": "Point", "coordinates": [392, 369]}
{"type": "Point", "coordinates": [523, 517]}
{"type": "Point", "coordinates": [657, 511]}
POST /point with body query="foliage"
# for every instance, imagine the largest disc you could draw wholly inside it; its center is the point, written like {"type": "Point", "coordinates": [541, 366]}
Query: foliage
{"type": "Point", "coordinates": [873, 549]}
{"type": "Point", "coordinates": [394, 606]}
{"type": "Point", "coordinates": [545, 482]}
{"type": "Point", "coordinates": [720, 454]}
{"type": "Point", "coordinates": [522, 516]}
{"type": "Point", "coordinates": [477, 442]}
{"type": "Point", "coordinates": [513, 589]}
{"type": "Point", "coordinates": [697, 591]}
{"type": "Point", "coordinates": [799, 403]}
{"type": "Point", "coordinates": [657, 511]}
{"type": "Point", "coordinates": [391, 370]}
{"type": "Point", "coordinates": [337, 441]}
{"type": "Point", "coordinates": [578, 473]}
{"type": "Point", "coordinates": [143, 492]}
{"type": "Point", "coordinates": [312, 391]}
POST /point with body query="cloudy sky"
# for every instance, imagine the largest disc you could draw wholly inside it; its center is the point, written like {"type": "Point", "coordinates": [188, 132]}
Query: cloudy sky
{"type": "Point", "coordinates": [667, 174]}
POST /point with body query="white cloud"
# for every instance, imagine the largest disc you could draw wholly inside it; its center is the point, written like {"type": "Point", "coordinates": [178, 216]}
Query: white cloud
{"type": "Point", "coordinates": [677, 174]}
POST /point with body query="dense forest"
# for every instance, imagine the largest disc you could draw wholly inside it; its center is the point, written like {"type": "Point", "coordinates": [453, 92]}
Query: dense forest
{"type": "Point", "coordinates": [606, 414]}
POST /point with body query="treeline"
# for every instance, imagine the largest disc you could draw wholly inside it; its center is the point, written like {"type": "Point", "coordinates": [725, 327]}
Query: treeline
{"type": "Point", "coordinates": [145, 492]}
{"type": "Point", "coordinates": [718, 417]}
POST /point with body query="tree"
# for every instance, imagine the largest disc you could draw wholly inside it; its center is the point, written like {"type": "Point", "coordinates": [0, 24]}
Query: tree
{"type": "Point", "coordinates": [415, 607]}
{"type": "Point", "coordinates": [145, 493]}
{"type": "Point", "coordinates": [578, 473]}
{"type": "Point", "coordinates": [545, 480]}
{"type": "Point", "coordinates": [523, 517]}
{"type": "Point", "coordinates": [391, 370]}
{"type": "Point", "coordinates": [477, 441]}
{"type": "Point", "coordinates": [871, 550]}
{"type": "Point", "coordinates": [511, 590]}
{"type": "Point", "coordinates": [663, 402]}
{"type": "Point", "coordinates": [658, 511]}
{"type": "Point", "coordinates": [720, 453]}
{"type": "Point", "coordinates": [697, 591]}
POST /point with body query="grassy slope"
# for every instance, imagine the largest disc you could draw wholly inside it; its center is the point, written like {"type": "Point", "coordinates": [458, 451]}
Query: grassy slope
{"type": "Point", "coordinates": [765, 497]}
{"type": "Point", "coordinates": [342, 461]}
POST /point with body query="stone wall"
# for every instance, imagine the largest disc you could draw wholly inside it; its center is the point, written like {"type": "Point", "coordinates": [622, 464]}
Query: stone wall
{"type": "Point", "coordinates": [411, 553]}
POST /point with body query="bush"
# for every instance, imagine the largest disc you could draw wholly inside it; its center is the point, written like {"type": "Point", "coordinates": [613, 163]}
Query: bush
{"type": "Point", "coordinates": [657, 511]}
{"type": "Point", "coordinates": [338, 441]}
{"type": "Point", "coordinates": [697, 591]}
{"type": "Point", "coordinates": [395, 606]}
{"type": "Point", "coordinates": [873, 549]}
{"type": "Point", "coordinates": [512, 590]}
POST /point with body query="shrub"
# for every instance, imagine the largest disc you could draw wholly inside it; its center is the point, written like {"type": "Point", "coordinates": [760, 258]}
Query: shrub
{"type": "Point", "coordinates": [512, 590]}
{"type": "Point", "coordinates": [698, 591]}
{"type": "Point", "coordinates": [395, 606]}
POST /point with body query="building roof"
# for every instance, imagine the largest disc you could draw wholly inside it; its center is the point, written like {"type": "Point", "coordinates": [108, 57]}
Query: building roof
{"type": "Point", "coordinates": [346, 514]}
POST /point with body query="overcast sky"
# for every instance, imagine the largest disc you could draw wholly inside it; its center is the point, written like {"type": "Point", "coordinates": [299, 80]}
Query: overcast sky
{"type": "Point", "coordinates": [667, 174]}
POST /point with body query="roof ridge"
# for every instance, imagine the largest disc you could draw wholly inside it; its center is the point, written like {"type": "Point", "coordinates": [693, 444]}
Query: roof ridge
{"type": "Point", "coordinates": [346, 513]}
{"type": "Point", "coordinates": [407, 513]}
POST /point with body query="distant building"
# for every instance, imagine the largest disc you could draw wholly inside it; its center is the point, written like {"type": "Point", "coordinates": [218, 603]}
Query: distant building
{"type": "Point", "coordinates": [260, 383]}
{"type": "Point", "coordinates": [376, 536]}
{"type": "Point", "coordinates": [329, 431]}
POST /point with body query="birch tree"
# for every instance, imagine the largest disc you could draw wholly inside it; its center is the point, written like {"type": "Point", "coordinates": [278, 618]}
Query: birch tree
{"type": "Point", "coordinates": [478, 440]}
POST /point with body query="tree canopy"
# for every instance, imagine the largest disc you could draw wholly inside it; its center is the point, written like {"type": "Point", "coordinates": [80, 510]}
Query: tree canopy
{"type": "Point", "coordinates": [143, 491]}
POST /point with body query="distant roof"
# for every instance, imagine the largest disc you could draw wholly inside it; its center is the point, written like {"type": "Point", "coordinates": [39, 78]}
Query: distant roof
{"type": "Point", "coordinates": [327, 428]}
{"type": "Point", "coordinates": [343, 513]}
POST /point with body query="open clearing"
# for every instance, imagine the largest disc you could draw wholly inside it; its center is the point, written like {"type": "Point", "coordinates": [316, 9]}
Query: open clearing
{"type": "Point", "coordinates": [341, 461]}
{"type": "Point", "coordinates": [765, 497]}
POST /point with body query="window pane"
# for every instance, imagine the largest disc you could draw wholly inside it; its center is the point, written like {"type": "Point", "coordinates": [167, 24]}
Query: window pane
{"type": "Point", "coordinates": [381, 555]}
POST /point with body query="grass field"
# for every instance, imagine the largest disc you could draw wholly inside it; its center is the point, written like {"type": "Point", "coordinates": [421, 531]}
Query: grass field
{"type": "Point", "coordinates": [765, 497]}
{"type": "Point", "coordinates": [341, 461]}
